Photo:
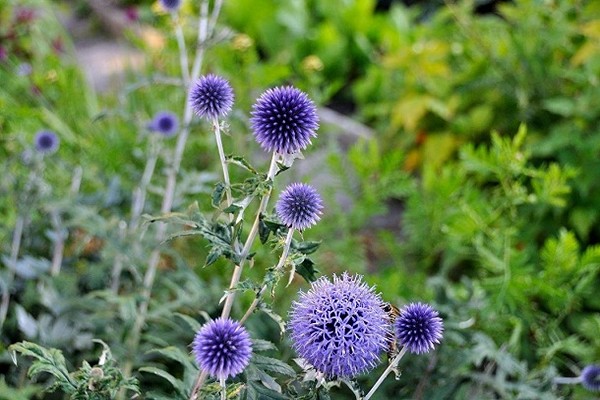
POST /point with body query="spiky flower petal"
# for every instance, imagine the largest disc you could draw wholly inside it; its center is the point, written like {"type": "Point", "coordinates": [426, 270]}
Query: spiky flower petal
{"type": "Point", "coordinates": [46, 142]}
{"type": "Point", "coordinates": [284, 120]}
{"type": "Point", "coordinates": [165, 123]}
{"type": "Point", "coordinates": [171, 5]}
{"type": "Point", "coordinates": [299, 206]}
{"type": "Point", "coordinates": [211, 96]}
{"type": "Point", "coordinates": [590, 378]}
{"type": "Point", "coordinates": [339, 327]}
{"type": "Point", "coordinates": [222, 347]}
{"type": "Point", "coordinates": [418, 327]}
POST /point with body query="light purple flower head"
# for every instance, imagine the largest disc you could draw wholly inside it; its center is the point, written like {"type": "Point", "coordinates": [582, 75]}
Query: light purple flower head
{"type": "Point", "coordinates": [299, 206]}
{"type": "Point", "coordinates": [339, 327]}
{"type": "Point", "coordinates": [284, 120]}
{"type": "Point", "coordinates": [171, 5]}
{"type": "Point", "coordinates": [46, 142]}
{"type": "Point", "coordinates": [590, 378]}
{"type": "Point", "coordinates": [418, 327]}
{"type": "Point", "coordinates": [165, 123]}
{"type": "Point", "coordinates": [211, 97]}
{"type": "Point", "coordinates": [222, 347]}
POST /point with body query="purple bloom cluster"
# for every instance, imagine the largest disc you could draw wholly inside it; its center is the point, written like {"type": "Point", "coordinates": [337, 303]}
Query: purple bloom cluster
{"type": "Point", "coordinates": [284, 120]}
{"type": "Point", "coordinates": [222, 347]}
{"type": "Point", "coordinates": [46, 142]}
{"type": "Point", "coordinates": [339, 327]}
{"type": "Point", "coordinates": [419, 328]}
{"type": "Point", "coordinates": [299, 206]}
{"type": "Point", "coordinates": [165, 123]}
{"type": "Point", "coordinates": [590, 378]}
{"type": "Point", "coordinates": [211, 96]}
{"type": "Point", "coordinates": [170, 5]}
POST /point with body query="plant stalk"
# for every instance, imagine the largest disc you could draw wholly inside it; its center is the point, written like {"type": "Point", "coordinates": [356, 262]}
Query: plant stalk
{"type": "Point", "coordinates": [387, 371]}
{"type": "Point", "coordinates": [237, 272]}
{"type": "Point", "coordinates": [284, 255]}
{"type": "Point", "coordinates": [14, 255]}
{"type": "Point", "coordinates": [169, 193]}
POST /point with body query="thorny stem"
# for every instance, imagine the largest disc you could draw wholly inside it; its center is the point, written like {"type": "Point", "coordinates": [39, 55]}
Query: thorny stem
{"type": "Point", "coordinates": [387, 371]}
{"type": "Point", "coordinates": [14, 254]}
{"type": "Point", "coordinates": [217, 129]}
{"type": "Point", "coordinates": [198, 384]}
{"type": "Point", "coordinates": [284, 254]}
{"type": "Point", "coordinates": [237, 272]}
{"type": "Point", "coordinates": [563, 380]}
{"type": "Point", "coordinates": [169, 192]}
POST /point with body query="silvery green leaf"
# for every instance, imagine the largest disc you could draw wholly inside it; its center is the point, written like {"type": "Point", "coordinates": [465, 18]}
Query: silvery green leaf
{"type": "Point", "coordinates": [27, 324]}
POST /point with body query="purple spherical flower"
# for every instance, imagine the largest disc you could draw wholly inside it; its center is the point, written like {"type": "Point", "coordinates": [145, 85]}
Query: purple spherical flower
{"type": "Point", "coordinates": [222, 348]}
{"type": "Point", "coordinates": [299, 206]}
{"type": "Point", "coordinates": [165, 123]}
{"type": "Point", "coordinates": [170, 5]}
{"type": "Point", "coordinates": [284, 120]}
{"type": "Point", "coordinates": [211, 96]}
{"type": "Point", "coordinates": [46, 142]}
{"type": "Point", "coordinates": [590, 378]}
{"type": "Point", "coordinates": [339, 327]}
{"type": "Point", "coordinates": [418, 327]}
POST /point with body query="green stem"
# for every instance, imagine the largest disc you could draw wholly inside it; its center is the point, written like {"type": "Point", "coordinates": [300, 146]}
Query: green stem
{"type": "Point", "coordinates": [263, 289]}
{"type": "Point", "coordinates": [387, 371]}
{"type": "Point", "coordinates": [237, 271]}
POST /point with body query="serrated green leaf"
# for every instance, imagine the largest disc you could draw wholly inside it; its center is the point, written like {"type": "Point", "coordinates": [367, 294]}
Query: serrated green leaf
{"type": "Point", "coordinates": [256, 391]}
{"type": "Point", "coordinates": [176, 383]}
{"type": "Point", "coordinates": [272, 364]}
{"type": "Point", "coordinates": [306, 269]}
{"type": "Point", "coordinates": [217, 194]}
{"type": "Point", "coordinates": [307, 247]}
{"type": "Point", "coordinates": [241, 162]}
{"type": "Point", "coordinates": [192, 323]}
{"type": "Point", "coordinates": [213, 255]}
{"type": "Point", "coordinates": [262, 345]}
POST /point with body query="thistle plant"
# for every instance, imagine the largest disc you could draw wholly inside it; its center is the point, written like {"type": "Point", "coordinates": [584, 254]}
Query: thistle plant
{"type": "Point", "coordinates": [589, 378]}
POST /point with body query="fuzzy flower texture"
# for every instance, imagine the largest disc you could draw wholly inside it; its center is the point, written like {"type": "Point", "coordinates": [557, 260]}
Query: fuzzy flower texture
{"type": "Point", "coordinates": [419, 328]}
{"type": "Point", "coordinates": [284, 120]}
{"type": "Point", "coordinates": [339, 327]}
{"type": "Point", "coordinates": [223, 348]}
{"type": "Point", "coordinates": [299, 206]}
{"type": "Point", "coordinates": [590, 378]}
{"type": "Point", "coordinates": [170, 5]}
{"type": "Point", "coordinates": [46, 142]}
{"type": "Point", "coordinates": [165, 123]}
{"type": "Point", "coordinates": [211, 97]}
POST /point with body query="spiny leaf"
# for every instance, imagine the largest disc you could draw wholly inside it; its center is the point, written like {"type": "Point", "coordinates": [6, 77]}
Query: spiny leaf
{"type": "Point", "coordinates": [176, 383]}
{"type": "Point", "coordinates": [272, 365]}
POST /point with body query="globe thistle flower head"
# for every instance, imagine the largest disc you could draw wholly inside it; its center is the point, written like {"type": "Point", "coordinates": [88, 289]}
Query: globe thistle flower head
{"type": "Point", "coordinates": [46, 142]}
{"type": "Point", "coordinates": [299, 206]}
{"type": "Point", "coordinates": [339, 326]}
{"type": "Point", "coordinates": [211, 97]}
{"type": "Point", "coordinates": [222, 347]}
{"type": "Point", "coordinates": [165, 123]}
{"type": "Point", "coordinates": [418, 327]}
{"type": "Point", "coordinates": [170, 5]}
{"type": "Point", "coordinates": [284, 120]}
{"type": "Point", "coordinates": [590, 378]}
